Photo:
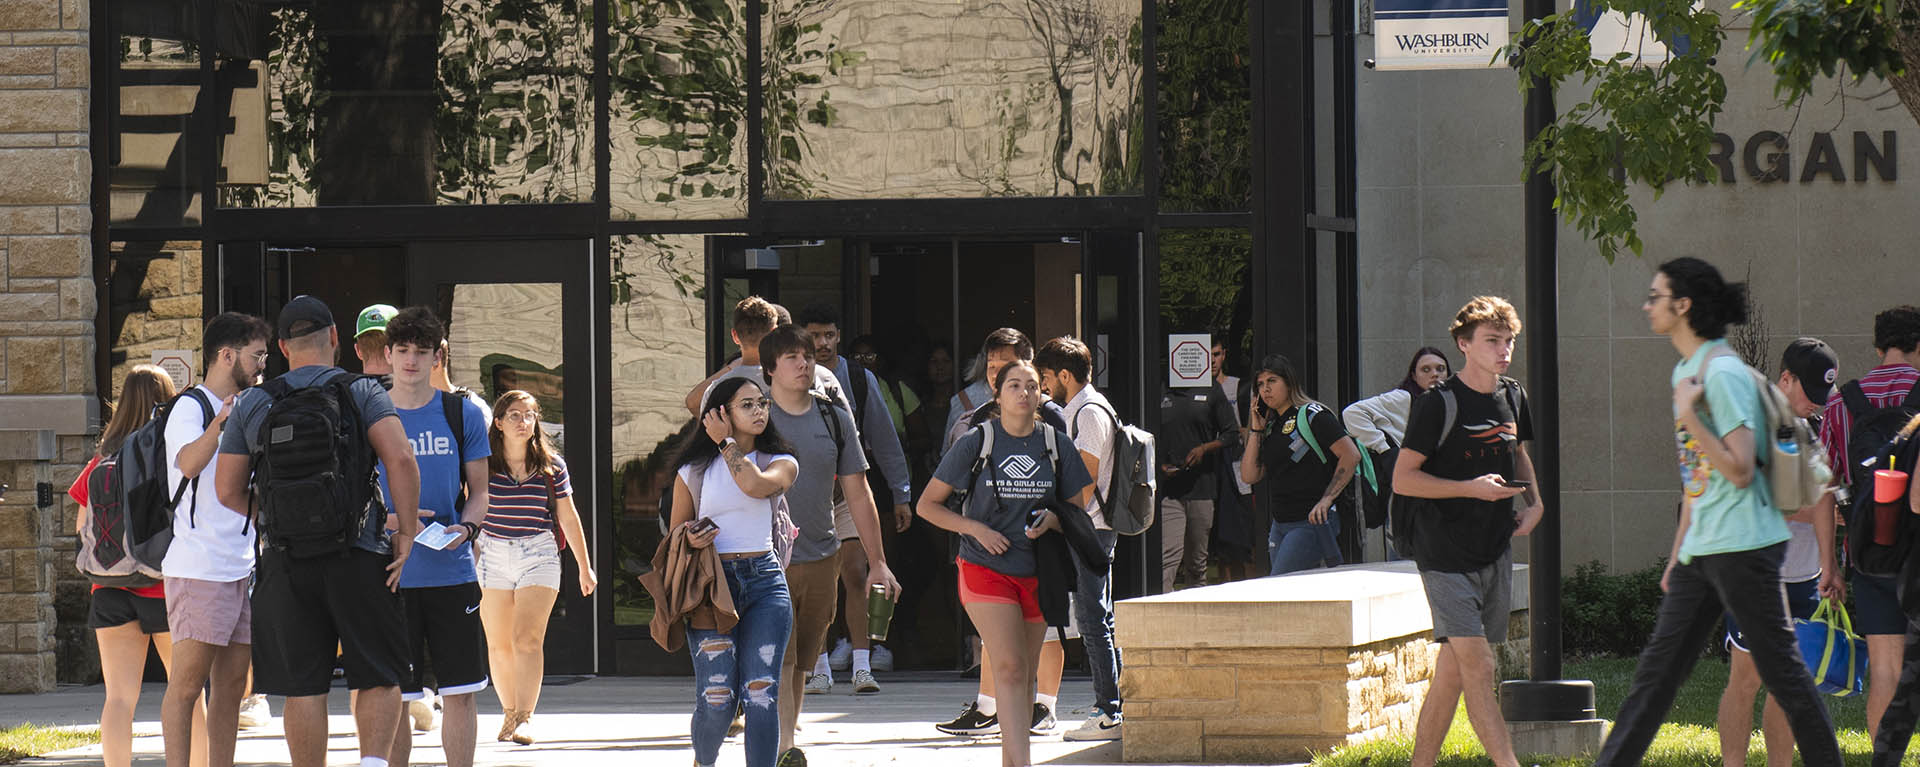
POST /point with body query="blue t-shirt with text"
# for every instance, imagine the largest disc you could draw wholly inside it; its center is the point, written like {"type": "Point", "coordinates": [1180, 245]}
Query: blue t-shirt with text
{"type": "Point", "coordinates": [439, 456]}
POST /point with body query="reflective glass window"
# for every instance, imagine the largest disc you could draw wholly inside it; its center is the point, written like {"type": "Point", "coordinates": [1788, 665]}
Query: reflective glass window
{"type": "Point", "coordinates": [888, 99]}
{"type": "Point", "coordinates": [1203, 288]}
{"type": "Point", "coordinates": [659, 333]}
{"type": "Point", "coordinates": [444, 102]}
{"type": "Point", "coordinates": [1205, 105]}
{"type": "Point", "coordinates": [679, 107]}
{"type": "Point", "coordinates": [154, 306]}
{"type": "Point", "coordinates": [157, 73]}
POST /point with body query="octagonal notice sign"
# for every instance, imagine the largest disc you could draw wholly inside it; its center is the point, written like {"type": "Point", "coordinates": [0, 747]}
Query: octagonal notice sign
{"type": "Point", "coordinates": [179, 366]}
{"type": "Point", "coordinates": [1189, 359]}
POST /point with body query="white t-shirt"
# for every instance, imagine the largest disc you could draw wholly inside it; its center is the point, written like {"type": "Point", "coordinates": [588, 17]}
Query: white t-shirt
{"type": "Point", "coordinates": [208, 542]}
{"type": "Point", "coordinates": [1092, 431]}
{"type": "Point", "coordinates": [746, 522]}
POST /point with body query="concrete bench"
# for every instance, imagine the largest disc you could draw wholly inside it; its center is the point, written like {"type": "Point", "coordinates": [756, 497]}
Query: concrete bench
{"type": "Point", "coordinates": [1274, 669]}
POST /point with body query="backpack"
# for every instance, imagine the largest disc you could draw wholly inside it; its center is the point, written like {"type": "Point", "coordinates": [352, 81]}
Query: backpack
{"type": "Point", "coordinates": [1133, 481]}
{"type": "Point", "coordinates": [130, 505]}
{"type": "Point", "coordinates": [1792, 458]}
{"type": "Point", "coordinates": [1404, 511]}
{"type": "Point", "coordinates": [1376, 497]}
{"type": "Point", "coordinates": [1870, 557]}
{"type": "Point", "coordinates": [452, 408]}
{"type": "Point", "coordinates": [313, 468]}
{"type": "Point", "coordinates": [1873, 429]}
{"type": "Point", "coordinates": [784, 531]}
{"type": "Point", "coordinates": [1364, 472]}
{"type": "Point", "coordinates": [958, 500]}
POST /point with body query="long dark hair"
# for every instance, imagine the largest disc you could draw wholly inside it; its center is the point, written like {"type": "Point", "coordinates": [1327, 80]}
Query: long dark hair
{"type": "Point", "coordinates": [1283, 368]}
{"type": "Point", "coordinates": [1716, 302]}
{"type": "Point", "coordinates": [698, 450]}
{"type": "Point", "coordinates": [1409, 384]}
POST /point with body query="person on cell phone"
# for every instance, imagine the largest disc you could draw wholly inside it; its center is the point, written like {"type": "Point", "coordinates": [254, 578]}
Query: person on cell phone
{"type": "Point", "coordinates": [1299, 458]}
{"type": "Point", "coordinates": [742, 465]}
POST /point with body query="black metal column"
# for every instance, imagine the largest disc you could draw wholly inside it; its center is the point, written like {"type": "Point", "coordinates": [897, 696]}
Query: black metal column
{"type": "Point", "coordinates": [1543, 381]}
{"type": "Point", "coordinates": [1283, 275]}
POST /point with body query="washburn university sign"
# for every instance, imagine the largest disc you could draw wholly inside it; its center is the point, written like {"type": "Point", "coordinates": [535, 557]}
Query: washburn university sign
{"type": "Point", "coordinates": [1768, 156]}
{"type": "Point", "coordinates": [1438, 34]}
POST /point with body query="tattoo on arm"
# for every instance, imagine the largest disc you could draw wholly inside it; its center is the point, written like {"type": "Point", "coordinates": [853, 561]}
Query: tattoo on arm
{"type": "Point", "coordinates": [1340, 477]}
{"type": "Point", "coordinates": [736, 462]}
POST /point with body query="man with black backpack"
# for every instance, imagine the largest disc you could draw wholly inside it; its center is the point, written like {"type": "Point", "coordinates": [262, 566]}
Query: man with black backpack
{"type": "Point", "coordinates": [209, 562]}
{"type": "Point", "coordinates": [887, 477]}
{"type": "Point", "coordinates": [826, 443]}
{"type": "Point", "coordinates": [1861, 416]}
{"type": "Point", "coordinates": [439, 587]}
{"type": "Point", "coordinates": [300, 450]}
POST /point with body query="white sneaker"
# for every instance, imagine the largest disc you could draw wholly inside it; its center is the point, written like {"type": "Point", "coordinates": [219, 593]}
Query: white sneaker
{"type": "Point", "coordinates": [863, 683]}
{"type": "Point", "coordinates": [881, 659]}
{"type": "Point", "coordinates": [1100, 726]}
{"type": "Point", "coordinates": [254, 712]}
{"type": "Point", "coordinates": [841, 658]}
{"type": "Point", "coordinates": [819, 684]}
{"type": "Point", "coordinates": [423, 716]}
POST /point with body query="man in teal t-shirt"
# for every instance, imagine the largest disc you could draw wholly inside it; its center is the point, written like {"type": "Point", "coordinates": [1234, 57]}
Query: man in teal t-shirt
{"type": "Point", "coordinates": [1731, 540]}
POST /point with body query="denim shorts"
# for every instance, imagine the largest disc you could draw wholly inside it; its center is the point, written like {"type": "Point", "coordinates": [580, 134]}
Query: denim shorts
{"type": "Point", "coordinates": [516, 563]}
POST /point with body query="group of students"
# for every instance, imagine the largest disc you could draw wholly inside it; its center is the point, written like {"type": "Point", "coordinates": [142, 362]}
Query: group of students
{"type": "Point", "coordinates": [771, 498]}
{"type": "Point", "coordinates": [293, 555]}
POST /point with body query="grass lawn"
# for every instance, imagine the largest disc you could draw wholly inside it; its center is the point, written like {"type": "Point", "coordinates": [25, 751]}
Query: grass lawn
{"type": "Point", "coordinates": [29, 740]}
{"type": "Point", "coordinates": [1687, 740]}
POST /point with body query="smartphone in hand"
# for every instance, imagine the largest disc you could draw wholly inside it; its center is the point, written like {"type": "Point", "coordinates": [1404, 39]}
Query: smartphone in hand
{"type": "Point", "coordinates": [702, 525]}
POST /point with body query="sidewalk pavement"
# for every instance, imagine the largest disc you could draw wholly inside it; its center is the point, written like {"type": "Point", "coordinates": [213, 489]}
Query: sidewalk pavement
{"type": "Point", "coordinates": [625, 721]}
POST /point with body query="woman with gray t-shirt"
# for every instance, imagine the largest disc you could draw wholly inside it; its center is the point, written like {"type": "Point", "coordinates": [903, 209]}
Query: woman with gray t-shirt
{"type": "Point", "coordinates": [1008, 504]}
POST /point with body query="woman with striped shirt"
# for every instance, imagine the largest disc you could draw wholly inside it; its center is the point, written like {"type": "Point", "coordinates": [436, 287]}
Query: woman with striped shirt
{"type": "Point", "coordinates": [530, 505]}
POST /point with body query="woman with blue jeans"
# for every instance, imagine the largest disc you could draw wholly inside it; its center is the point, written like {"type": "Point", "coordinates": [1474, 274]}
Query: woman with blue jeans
{"type": "Point", "coordinates": [741, 466]}
{"type": "Point", "coordinates": [1298, 458]}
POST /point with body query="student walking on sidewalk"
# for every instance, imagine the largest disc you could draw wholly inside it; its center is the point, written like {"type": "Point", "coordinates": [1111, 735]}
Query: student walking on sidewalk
{"type": "Point", "coordinates": [1731, 539]}
{"type": "Point", "coordinates": [740, 465]}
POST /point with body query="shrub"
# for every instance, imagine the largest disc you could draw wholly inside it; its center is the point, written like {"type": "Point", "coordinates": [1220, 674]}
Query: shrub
{"type": "Point", "coordinates": [1606, 614]}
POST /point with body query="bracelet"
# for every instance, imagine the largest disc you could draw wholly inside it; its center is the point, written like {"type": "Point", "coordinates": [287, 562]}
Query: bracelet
{"type": "Point", "coordinates": [473, 530]}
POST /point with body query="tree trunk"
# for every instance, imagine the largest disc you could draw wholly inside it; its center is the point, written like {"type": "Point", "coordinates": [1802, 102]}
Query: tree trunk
{"type": "Point", "coordinates": [1907, 85]}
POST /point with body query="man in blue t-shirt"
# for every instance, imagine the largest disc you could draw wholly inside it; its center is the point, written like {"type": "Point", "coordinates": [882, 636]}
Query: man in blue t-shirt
{"type": "Point", "coordinates": [439, 586]}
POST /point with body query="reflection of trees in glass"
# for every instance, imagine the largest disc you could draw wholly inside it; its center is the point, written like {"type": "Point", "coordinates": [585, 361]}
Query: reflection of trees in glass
{"type": "Point", "coordinates": [293, 102]}
{"type": "Point", "coordinates": [1071, 33]}
{"type": "Point", "coordinates": [1206, 105]}
{"type": "Point", "coordinates": [515, 118]}
{"type": "Point", "coordinates": [679, 107]}
{"type": "Point", "coordinates": [792, 43]}
{"type": "Point", "coordinates": [1203, 275]}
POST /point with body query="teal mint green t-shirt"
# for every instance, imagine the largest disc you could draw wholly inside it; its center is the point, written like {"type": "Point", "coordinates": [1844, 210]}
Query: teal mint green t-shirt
{"type": "Point", "coordinates": [1725, 518]}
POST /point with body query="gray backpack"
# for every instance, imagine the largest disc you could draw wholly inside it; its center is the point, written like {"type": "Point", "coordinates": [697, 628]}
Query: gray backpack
{"type": "Point", "coordinates": [1128, 499]}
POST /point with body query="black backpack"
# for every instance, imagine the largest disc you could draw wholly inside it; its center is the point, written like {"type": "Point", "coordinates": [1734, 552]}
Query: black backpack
{"type": "Point", "coordinates": [1873, 429]}
{"type": "Point", "coordinates": [1404, 512]}
{"type": "Point", "coordinates": [1374, 503]}
{"type": "Point", "coordinates": [130, 504]}
{"type": "Point", "coordinates": [1868, 556]}
{"type": "Point", "coordinates": [313, 468]}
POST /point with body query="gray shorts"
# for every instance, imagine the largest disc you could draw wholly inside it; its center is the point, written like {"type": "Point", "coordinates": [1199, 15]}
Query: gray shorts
{"type": "Point", "coordinates": [1476, 604]}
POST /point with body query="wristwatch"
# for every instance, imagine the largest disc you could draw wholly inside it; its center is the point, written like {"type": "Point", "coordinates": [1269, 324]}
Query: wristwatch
{"type": "Point", "coordinates": [726, 443]}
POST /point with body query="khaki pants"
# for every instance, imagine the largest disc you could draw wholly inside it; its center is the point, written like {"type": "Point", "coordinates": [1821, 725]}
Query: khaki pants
{"type": "Point", "coordinates": [1184, 530]}
{"type": "Point", "coordinates": [815, 590]}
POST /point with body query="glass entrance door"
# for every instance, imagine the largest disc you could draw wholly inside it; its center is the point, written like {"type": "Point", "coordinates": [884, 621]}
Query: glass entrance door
{"type": "Point", "coordinates": [512, 310]}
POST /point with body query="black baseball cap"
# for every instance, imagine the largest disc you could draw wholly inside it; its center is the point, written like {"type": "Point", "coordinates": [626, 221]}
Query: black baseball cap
{"type": "Point", "coordinates": [302, 316]}
{"type": "Point", "coordinates": [1813, 362]}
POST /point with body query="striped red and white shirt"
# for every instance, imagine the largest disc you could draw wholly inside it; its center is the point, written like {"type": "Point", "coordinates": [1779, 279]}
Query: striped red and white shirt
{"type": "Point", "coordinates": [519, 509]}
{"type": "Point", "coordinates": [1885, 386]}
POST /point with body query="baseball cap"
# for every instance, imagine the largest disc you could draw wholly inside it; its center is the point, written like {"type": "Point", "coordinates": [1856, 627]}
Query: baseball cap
{"type": "Point", "coordinates": [1813, 362]}
{"type": "Point", "coordinates": [304, 315]}
{"type": "Point", "coordinates": [374, 317]}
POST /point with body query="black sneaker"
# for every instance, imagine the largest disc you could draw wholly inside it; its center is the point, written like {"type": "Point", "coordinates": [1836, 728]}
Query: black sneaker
{"type": "Point", "coordinates": [792, 758]}
{"type": "Point", "coordinates": [1043, 721]}
{"type": "Point", "coordinates": [970, 722]}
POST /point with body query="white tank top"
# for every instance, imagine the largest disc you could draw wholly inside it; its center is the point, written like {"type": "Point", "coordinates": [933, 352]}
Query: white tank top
{"type": "Point", "coordinates": [746, 522]}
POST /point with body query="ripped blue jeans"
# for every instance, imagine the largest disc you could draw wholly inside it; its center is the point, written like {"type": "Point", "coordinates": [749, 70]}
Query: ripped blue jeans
{"type": "Point", "coordinates": [742, 666]}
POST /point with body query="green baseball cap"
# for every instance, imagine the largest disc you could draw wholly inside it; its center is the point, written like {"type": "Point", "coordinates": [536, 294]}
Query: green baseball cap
{"type": "Point", "coordinates": [374, 317]}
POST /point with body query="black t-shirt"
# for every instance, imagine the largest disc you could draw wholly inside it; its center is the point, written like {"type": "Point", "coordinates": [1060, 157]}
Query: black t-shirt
{"type": "Point", "coordinates": [1467, 534]}
{"type": "Point", "coordinates": [1293, 477]}
{"type": "Point", "coordinates": [1188, 419]}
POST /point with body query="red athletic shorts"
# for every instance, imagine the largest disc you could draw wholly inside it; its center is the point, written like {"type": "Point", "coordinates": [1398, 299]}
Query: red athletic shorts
{"type": "Point", "coordinates": [983, 584]}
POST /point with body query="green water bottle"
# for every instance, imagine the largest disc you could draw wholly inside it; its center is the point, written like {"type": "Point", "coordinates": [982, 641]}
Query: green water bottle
{"type": "Point", "coordinates": [879, 612]}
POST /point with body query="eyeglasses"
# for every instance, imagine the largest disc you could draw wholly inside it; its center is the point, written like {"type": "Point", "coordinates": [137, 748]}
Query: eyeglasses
{"type": "Point", "coordinates": [525, 416]}
{"type": "Point", "coordinates": [259, 356]}
{"type": "Point", "coordinates": [751, 405]}
{"type": "Point", "coordinates": [1652, 297]}
{"type": "Point", "coordinates": [865, 356]}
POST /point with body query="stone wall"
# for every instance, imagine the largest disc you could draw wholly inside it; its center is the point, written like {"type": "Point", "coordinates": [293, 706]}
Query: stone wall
{"type": "Point", "coordinates": [47, 308]}
{"type": "Point", "coordinates": [1239, 673]}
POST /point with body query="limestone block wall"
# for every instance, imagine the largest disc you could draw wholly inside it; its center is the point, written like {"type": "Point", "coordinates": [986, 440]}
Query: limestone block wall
{"type": "Point", "coordinates": [47, 308]}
